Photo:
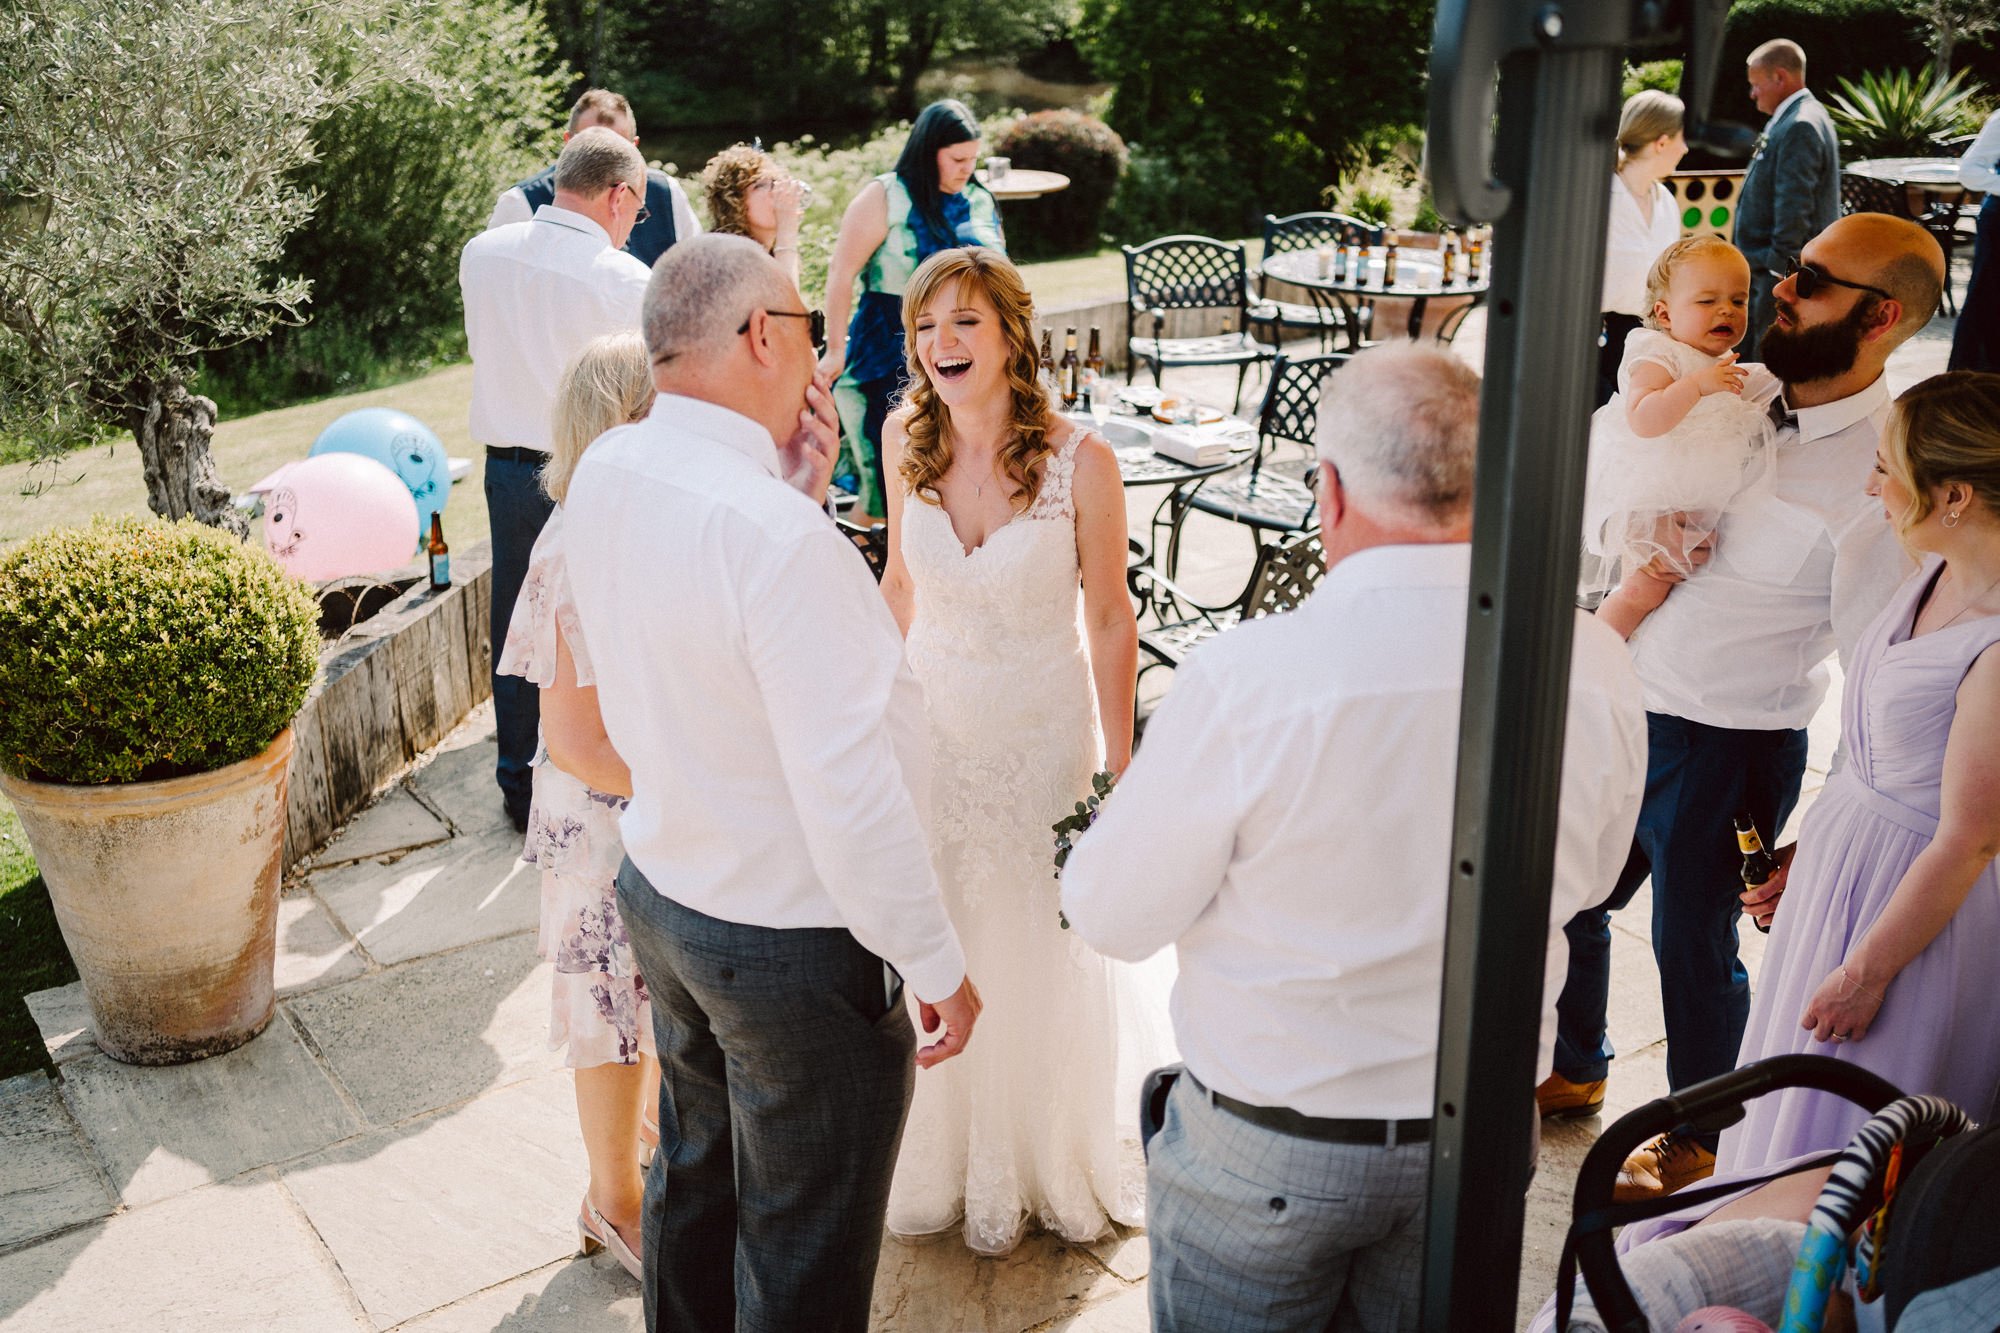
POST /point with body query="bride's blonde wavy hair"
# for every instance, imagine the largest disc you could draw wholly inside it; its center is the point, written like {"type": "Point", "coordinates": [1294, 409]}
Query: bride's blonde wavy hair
{"type": "Point", "coordinates": [927, 456]}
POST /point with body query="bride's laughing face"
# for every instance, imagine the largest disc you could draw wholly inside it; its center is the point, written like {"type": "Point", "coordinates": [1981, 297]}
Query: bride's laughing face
{"type": "Point", "coordinates": [961, 346]}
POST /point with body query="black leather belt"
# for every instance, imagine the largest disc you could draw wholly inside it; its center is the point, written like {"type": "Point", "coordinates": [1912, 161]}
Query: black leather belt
{"type": "Point", "coordinates": [1284, 1120]}
{"type": "Point", "coordinates": [517, 454]}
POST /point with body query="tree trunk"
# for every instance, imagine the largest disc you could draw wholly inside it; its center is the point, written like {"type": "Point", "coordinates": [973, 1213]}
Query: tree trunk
{"type": "Point", "coordinates": [912, 61]}
{"type": "Point", "coordinates": [173, 428]}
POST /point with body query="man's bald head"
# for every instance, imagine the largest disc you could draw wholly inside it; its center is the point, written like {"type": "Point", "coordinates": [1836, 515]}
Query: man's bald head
{"type": "Point", "coordinates": [1892, 253]}
{"type": "Point", "coordinates": [702, 289]}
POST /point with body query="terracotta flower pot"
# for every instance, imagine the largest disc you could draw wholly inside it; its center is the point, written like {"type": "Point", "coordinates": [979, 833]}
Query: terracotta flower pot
{"type": "Point", "coordinates": [167, 895]}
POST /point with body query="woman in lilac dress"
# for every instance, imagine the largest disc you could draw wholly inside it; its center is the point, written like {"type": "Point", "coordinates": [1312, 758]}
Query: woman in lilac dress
{"type": "Point", "coordinates": [599, 1013]}
{"type": "Point", "coordinates": [1883, 951]}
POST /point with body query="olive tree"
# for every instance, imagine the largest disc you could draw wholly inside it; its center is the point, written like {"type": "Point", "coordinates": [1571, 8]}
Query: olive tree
{"type": "Point", "coordinates": [148, 182]}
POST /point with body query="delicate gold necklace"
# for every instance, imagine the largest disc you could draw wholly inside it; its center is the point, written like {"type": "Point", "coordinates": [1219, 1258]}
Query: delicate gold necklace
{"type": "Point", "coordinates": [1970, 602]}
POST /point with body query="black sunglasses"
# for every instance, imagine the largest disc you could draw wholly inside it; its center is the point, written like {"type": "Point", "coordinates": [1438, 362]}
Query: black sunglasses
{"type": "Point", "coordinates": [816, 323]}
{"type": "Point", "coordinates": [1807, 278]}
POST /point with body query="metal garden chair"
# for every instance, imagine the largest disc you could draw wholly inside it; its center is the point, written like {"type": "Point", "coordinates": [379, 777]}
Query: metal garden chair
{"type": "Point", "coordinates": [1193, 273]}
{"type": "Point", "coordinates": [1322, 315]}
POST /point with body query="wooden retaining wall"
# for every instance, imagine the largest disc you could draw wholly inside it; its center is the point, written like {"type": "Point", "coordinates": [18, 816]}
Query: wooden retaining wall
{"type": "Point", "coordinates": [388, 691]}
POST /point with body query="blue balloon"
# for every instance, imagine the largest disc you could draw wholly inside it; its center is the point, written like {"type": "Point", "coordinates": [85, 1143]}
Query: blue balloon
{"type": "Point", "coordinates": [401, 443]}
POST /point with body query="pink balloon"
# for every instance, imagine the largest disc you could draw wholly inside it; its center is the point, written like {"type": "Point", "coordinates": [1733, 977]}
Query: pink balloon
{"type": "Point", "coordinates": [337, 514]}
{"type": "Point", "coordinates": [1721, 1319]}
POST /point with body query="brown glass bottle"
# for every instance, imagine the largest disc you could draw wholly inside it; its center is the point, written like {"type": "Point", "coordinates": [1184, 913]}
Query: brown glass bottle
{"type": "Point", "coordinates": [1093, 365]}
{"type": "Point", "coordinates": [439, 553]}
{"type": "Point", "coordinates": [1758, 865]}
{"type": "Point", "coordinates": [1389, 261]}
{"type": "Point", "coordinates": [1475, 256]}
{"type": "Point", "coordinates": [1066, 371]}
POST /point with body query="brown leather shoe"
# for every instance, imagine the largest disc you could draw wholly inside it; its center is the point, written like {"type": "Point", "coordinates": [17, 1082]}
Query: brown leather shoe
{"type": "Point", "coordinates": [1559, 1099]}
{"type": "Point", "coordinates": [1670, 1162]}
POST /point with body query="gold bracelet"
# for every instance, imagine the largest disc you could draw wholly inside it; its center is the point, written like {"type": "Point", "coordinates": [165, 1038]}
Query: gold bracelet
{"type": "Point", "coordinates": [1857, 985]}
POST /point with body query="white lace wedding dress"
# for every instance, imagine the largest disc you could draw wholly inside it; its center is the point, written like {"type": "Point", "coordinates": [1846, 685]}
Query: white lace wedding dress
{"type": "Point", "coordinates": [1036, 1120]}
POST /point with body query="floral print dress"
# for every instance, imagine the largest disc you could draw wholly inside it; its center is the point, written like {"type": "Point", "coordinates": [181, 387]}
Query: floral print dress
{"type": "Point", "coordinates": [599, 1008]}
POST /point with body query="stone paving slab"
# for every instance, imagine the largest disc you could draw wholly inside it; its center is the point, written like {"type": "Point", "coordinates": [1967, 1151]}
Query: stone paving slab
{"type": "Point", "coordinates": [312, 951]}
{"type": "Point", "coordinates": [432, 1212]}
{"type": "Point", "coordinates": [459, 779]}
{"type": "Point", "coordinates": [1123, 1313]}
{"type": "Point", "coordinates": [473, 888]}
{"type": "Point", "coordinates": [163, 1131]}
{"type": "Point", "coordinates": [225, 1259]}
{"type": "Point", "coordinates": [435, 1032]}
{"type": "Point", "coordinates": [397, 822]}
{"type": "Point", "coordinates": [48, 1178]}
{"type": "Point", "coordinates": [578, 1296]}
{"type": "Point", "coordinates": [941, 1287]}
{"type": "Point", "coordinates": [62, 1017]}
{"type": "Point", "coordinates": [1124, 1252]}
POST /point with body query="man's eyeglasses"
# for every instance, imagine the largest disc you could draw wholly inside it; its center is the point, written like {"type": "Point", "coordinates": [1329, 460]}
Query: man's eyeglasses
{"type": "Point", "coordinates": [1808, 278]}
{"type": "Point", "coordinates": [644, 212]}
{"type": "Point", "coordinates": [816, 323]}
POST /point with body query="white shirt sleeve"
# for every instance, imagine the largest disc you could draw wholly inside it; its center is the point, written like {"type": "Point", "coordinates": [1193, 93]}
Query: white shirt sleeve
{"type": "Point", "coordinates": [826, 657]}
{"type": "Point", "coordinates": [1155, 858]}
{"type": "Point", "coordinates": [1979, 169]}
{"type": "Point", "coordinates": [686, 224]}
{"type": "Point", "coordinates": [511, 206]}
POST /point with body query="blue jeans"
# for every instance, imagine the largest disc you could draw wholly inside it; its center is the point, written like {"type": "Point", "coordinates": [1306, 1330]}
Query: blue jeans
{"type": "Point", "coordinates": [1697, 778]}
{"type": "Point", "coordinates": [517, 510]}
{"type": "Point", "coordinates": [786, 1068]}
{"type": "Point", "coordinates": [1252, 1230]}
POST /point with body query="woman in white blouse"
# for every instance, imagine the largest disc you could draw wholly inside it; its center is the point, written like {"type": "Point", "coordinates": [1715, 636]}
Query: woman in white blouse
{"type": "Point", "coordinates": [1976, 344]}
{"type": "Point", "coordinates": [1644, 219]}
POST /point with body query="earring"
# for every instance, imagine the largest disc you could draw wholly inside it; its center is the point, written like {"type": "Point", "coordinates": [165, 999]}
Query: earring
{"type": "Point", "coordinates": [1951, 519]}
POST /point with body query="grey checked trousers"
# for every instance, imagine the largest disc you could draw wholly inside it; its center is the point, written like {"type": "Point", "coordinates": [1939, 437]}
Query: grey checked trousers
{"type": "Point", "coordinates": [1253, 1231]}
{"type": "Point", "coordinates": [785, 1071]}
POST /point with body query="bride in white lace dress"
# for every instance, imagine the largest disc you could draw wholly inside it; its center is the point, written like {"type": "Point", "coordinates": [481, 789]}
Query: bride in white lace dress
{"type": "Point", "coordinates": [1006, 573]}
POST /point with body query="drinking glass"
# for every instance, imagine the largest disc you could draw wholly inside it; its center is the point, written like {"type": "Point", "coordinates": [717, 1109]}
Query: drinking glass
{"type": "Point", "coordinates": [1100, 392]}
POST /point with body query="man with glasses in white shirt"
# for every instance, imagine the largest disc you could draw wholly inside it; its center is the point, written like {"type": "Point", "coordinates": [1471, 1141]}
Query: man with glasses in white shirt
{"type": "Point", "coordinates": [536, 293]}
{"type": "Point", "coordinates": [777, 886]}
{"type": "Point", "coordinates": [1287, 826]}
{"type": "Point", "coordinates": [1733, 666]}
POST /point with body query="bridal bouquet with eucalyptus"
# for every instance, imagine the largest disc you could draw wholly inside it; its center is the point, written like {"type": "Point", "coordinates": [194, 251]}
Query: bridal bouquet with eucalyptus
{"type": "Point", "coordinates": [1073, 826]}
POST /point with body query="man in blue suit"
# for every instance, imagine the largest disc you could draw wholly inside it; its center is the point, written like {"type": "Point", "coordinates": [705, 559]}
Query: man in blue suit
{"type": "Point", "coordinates": [1792, 190]}
{"type": "Point", "coordinates": [668, 215]}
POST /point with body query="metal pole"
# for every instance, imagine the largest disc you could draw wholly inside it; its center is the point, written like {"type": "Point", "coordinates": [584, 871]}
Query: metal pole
{"type": "Point", "coordinates": [1557, 123]}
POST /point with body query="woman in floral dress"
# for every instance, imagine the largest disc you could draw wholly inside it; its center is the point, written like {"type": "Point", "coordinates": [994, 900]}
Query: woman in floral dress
{"type": "Point", "coordinates": [599, 1009]}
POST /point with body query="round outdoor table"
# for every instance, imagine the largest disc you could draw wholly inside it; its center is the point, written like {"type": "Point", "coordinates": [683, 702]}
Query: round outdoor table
{"type": "Point", "coordinates": [1419, 277]}
{"type": "Point", "coordinates": [1932, 175]}
{"type": "Point", "coordinates": [1024, 183]}
{"type": "Point", "coordinates": [1131, 438]}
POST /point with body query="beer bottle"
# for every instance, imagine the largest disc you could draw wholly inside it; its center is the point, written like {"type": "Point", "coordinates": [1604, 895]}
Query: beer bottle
{"type": "Point", "coordinates": [1358, 258]}
{"type": "Point", "coordinates": [1093, 365]}
{"type": "Point", "coordinates": [1066, 370]}
{"type": "Point", "coordinates": [1389, 261]}
{"type": "Point", "coordinates": [1048, 361]}
{"type": "Point", "coordinates": [1475, 255]}
{"type": "Point", "coordinates": [440, 554]}
{"type": "Point", "coordinates": [1758, 865]}
{"type": "Point", "coordinates": [1340, 260]}
{"type": "Point", "coordinates": [1448, 256]}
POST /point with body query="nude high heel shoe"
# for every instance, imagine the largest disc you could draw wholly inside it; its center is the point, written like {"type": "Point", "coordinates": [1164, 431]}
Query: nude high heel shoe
{"type": "Point", "coordinates": [593, 1233]}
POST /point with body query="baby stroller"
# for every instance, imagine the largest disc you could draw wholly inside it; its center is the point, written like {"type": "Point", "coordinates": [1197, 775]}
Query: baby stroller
{"type": "Point", "coordinates": [1889, 1159]}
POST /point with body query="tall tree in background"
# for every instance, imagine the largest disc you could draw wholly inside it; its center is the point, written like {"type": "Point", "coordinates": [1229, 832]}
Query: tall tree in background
{"type": "Point", "coordinates": [1943, 24]}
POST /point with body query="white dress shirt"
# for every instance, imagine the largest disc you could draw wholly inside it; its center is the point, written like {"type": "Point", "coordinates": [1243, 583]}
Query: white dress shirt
{"type": "Point", "coordinates": [512, 207]}
{"type": "Point", "coordinates": [1287, 824]}
{"type": "Point", "coordinates": [1800, 569]}
{"type": "Point", "coordinates": [535, 293]}
{"type": "Point", "coordinates": [751, 676]}
{"type": "Point", "coordinates": [1633, 243]}
{"type": "Point", "coordinates": [1979, 169]}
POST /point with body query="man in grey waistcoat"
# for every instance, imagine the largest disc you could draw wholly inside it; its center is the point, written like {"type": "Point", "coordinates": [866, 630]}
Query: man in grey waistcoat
{"type": "Point", "coordinates": [1792, 190]}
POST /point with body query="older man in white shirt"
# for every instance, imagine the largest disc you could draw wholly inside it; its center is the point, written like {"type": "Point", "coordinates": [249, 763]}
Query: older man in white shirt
{"type": "Point", "coordinates": [1287, 826]}
{"type": "Point", "coordinates": [536, 293]}
{"type": "Point", "coordinates": [1733, 667]}
{"type": "Point", "coordinates": [750, 675]}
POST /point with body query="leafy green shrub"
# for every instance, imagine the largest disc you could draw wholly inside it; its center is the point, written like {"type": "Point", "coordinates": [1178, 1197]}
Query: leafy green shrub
{"type": "Point", "coordinates": [135, 649]}
{"type": "Point", "coordinates": [1660, 75]}
{"type": "Point", "coordinates": [1082, 148]}
{"type": "Point", "coordinates": [1901, 113]}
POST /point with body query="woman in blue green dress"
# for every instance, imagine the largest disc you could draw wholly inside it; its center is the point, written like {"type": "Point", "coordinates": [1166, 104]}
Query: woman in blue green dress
{"type": "Point", "coordinates": [930, 202]}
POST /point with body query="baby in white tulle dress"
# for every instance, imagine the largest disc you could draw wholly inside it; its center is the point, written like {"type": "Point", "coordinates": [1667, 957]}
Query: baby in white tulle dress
{"type": "Point", "coordinates": [1686, 434]}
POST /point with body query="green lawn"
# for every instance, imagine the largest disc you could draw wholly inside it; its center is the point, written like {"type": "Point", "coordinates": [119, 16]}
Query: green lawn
{"type": "Point", "coordinates": [32, 956]}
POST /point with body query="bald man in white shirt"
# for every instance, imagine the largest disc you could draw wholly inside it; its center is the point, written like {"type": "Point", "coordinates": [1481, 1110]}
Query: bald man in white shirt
{"type": "Point", "coordinates": [1287, 827]}
{"type": "Point", "coordinates": [776, 868]}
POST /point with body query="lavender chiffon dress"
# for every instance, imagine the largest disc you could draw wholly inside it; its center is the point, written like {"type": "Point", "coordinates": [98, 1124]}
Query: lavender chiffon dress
{"type": "Point", "coordinates": [1936, 1031]}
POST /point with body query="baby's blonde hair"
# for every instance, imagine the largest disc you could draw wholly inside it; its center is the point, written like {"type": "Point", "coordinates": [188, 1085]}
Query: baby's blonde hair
{"type": "Point", "coordinates": [1661, 276]}
{"type": "Point", "coordinates": [609, 383]}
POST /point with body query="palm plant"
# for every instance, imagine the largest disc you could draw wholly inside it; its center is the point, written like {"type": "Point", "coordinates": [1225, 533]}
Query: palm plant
{"type": "Point", "coordinates": [1902, 113]}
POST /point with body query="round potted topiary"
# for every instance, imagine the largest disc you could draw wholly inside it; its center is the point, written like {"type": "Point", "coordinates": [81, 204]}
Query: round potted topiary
{"type": "Point", "coordinates": [151, 672]}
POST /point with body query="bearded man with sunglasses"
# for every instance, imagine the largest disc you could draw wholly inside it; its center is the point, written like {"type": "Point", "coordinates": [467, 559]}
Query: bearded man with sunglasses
{"type": "Point", "coordinates": [1733, 665]}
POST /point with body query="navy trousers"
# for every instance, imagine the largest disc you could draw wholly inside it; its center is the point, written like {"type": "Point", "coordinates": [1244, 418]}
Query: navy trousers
{"type": "Point", "coordinates": [786, 1068]}
{"type": "Point", "coordinates": [1697, 778]}
{"type": "Point", "coordinates": [517, 509]}
{"type": "Point", "coordinates": [1976, 343]}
